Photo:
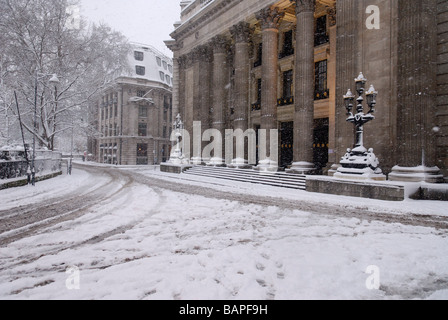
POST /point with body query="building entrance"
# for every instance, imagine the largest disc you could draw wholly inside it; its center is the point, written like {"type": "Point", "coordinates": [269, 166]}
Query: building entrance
{"type": "Point", "coordinates": [286, 144]}
{"type": "Point", "coordinates": [321, 141]}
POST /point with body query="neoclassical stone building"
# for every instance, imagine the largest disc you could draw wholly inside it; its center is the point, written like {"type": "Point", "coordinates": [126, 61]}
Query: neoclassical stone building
{"type": "Point", "coordinates": [286, 65]}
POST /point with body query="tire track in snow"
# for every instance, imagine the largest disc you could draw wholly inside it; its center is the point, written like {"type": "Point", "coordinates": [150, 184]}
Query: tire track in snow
{"type": "Point", "coordinates": [43, 215]}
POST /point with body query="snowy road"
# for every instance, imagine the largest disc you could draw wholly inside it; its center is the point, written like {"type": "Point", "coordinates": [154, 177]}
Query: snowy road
{"type": "Point", "coordinates": [135, 234]}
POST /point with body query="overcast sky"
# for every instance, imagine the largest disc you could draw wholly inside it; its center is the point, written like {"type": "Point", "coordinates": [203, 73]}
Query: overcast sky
{"type": "Point", "coordinates": [144, 21]}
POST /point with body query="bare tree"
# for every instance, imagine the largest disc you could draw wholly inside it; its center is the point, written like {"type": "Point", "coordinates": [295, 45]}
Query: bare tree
{"type": "Point", "coordinates": [42, 39]}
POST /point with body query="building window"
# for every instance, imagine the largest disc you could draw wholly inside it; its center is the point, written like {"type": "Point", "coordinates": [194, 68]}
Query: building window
{"type": "Point", "coordinates": [141, 93]}
{"type": "Point", "coordinates": [288, 48]}
{"type": "Point", "coordinates": [164, 131]}
{"type": "Point", "coordinates": [142, 112]}
{"type": "Point", "coordinates": [138, 55]}
{"type": "Point", "coordinates": [321, 35]}
{"type": "Point", "coordinates": [259, 60]}
{"type": "Point", "coordinates": [321, 88]}
{"type": "Point", "coordinates": [142, 129]}
{"type": "Point", "coordinates": [165, 65]}
{"type": "Point", "coordinates": [170, 68]}
{"type": "Point", "coordinates": [142, 154]}
{"type": "Point", "coordinates": [288, 96]}
{"type": "Point", "coordinates": [159, 61]}
{"type": "Point", "coordinates": [165, 115]}
{"type": "Point", "coordinates": [168, 79]}
{"type": "Point", "coordinates": [140, 70]}
{"type": "Point", "coordinates": [162, 76]}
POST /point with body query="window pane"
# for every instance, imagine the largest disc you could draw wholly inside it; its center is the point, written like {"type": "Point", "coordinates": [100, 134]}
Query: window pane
{"type": "Point", "coordinates": [142, 112]}
{"type": "Point", "coordinates": [142, 129]}
{"type": "Point", "coordinates": [140, 70]}
{"type": "Point", "coordinates": [321, 87]}
{"type": "Point", "coordinates": [138, 55]}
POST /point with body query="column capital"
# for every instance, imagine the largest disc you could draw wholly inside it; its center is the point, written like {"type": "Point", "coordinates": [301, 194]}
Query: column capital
{"type": "Point", "coordinates": [331, 11]}
{"type": "Point", "coordinates": [270, 18]}
{"type": "Point", "coordinates": [304, 5]}
{"type": "Point", "coordinates": [182, 61]}
{"type": "Point", "coordinates": [201, 53]}
{"type": "Point", "coordinates": [220, 44]}
{"type": "Point", "coordinates": [241, 32]}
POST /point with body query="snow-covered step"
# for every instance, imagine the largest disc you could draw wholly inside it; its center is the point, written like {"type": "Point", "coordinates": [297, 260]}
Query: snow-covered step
{"type": "Point", "coordinates": [284, 177]}
{"type": "Point", "coordinates": [249, 173]}
{"type": "Point", "coordinates": [279, 179]}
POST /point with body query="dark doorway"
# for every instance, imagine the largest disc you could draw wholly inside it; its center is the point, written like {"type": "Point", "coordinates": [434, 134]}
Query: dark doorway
{"type": "Point", "coordinates": [286, 144]}
{"type": "Point", "coordinates": [320, 145]}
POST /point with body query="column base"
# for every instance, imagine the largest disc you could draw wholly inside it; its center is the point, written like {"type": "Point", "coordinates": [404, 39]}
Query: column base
{"type": "Point", "coordinates": [416, 174]}
{"type": "Point", "coordinates": [216, 162]}
{"type": "Point", "coordinates": [334, 168]}
{"type": "Point", "coordinates": [302, 167]}
{"type": "Point", "coordinates": [196, 161]}
{"type": "Point", "coordinates": [267, 165]}
{"type": "Point", "coordinates": [239, 163]}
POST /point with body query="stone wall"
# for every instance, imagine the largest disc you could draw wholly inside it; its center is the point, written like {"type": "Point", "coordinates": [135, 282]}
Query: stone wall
{"type": "Point", "coordinates": [442, 86]}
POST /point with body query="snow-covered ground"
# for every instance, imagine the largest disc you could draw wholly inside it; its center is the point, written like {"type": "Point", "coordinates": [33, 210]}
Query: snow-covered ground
{"type": "Point", "coordinates": [148, 242]}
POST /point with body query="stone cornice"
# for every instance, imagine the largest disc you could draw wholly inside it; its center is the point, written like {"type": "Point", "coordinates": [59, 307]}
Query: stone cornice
{"type": "Point", "coordinates": [208, 14]}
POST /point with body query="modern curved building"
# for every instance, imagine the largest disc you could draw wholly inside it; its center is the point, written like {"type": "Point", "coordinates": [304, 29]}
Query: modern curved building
{"type": "Point", "coordinates": [135, 112]}
{"type": "Point", "coordinates": [286, 65]}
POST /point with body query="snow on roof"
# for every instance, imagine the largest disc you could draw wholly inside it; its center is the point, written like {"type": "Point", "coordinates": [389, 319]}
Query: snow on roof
{"type": "Point", "coordinates": [149, 63]}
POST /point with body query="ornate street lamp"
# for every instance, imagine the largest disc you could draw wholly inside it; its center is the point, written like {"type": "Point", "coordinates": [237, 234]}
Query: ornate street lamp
{"type": "Point", "coordinates": [360, 163]}
{"type": "Point", "coordinates": [54, 80]}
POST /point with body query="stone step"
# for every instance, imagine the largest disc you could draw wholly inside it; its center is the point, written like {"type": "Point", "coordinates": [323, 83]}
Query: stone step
{"type": "Point", "coordinates": [276, 175]}
{"type": "Point", "coordinates": [250, 176]}
{"type": "Point", "coordinates": [255, 181]}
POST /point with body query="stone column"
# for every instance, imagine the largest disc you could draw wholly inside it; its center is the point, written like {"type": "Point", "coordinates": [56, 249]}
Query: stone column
{"type": "Point", "coordinates": [270, 20]}
{"type": "Point", "coordinates": [195, 139]}
{"type": "Point", "coordinates": [220, 47]}
{"type": "Point", "coordinates": [417, 90]}
{"type": "Point", "coordinates": [205, 83]}
{"type": "Point", "coordinates": [347, 69]}
{"type": "Point", "coordinates": [304, 89]}
{"type": "Point", "coordinates": [241, 34]}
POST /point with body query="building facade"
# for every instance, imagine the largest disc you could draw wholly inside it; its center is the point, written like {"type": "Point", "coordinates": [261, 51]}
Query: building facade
{"type": "Point", "coordinates": [135, 112]}
{"type": "Point", "coordinates": [286, 65]}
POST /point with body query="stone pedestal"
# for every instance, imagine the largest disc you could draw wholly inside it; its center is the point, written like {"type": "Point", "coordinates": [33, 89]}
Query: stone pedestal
{"type": "Point", "coordinates": [360, 164]}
